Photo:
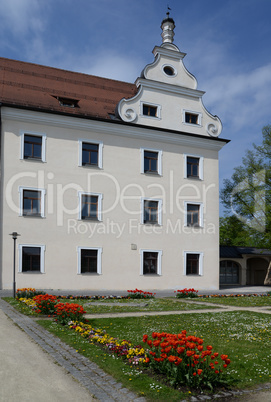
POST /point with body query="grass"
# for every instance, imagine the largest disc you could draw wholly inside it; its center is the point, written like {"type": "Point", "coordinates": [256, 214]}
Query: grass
{"type": "Point", "coordinates": [245, 336]}
{"type": "Point", "coordinates": [242, 301]}
{"type": "Point", "coordinates": [130, 376]}
{"type": "Point", "coordinates": [128, 305]}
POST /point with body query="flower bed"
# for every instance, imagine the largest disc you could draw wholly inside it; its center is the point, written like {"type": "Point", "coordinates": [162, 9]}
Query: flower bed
{"type": "Point", "coordinates": [140, 294]}
{"type": "Point", "coordinates": [186, 293]}
{"type": "Point", "coordinates": [184, 361]}
{"type": "Point", "coordinates": [133, 354]}
{"type": "Point", "coordinates": [28, 293]}
{"type": "Point", "coordinates": [66, 311]}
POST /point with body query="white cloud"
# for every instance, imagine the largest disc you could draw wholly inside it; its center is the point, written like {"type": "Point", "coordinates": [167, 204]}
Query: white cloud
{"type": "Point", "coordinates": [115, 66]}
{"type": "Point", "coordinates": [21, 16]}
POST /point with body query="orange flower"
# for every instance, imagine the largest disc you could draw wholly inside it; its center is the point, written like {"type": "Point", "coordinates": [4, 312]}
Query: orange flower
{"type": "Point", "coordinates": [199, 371]}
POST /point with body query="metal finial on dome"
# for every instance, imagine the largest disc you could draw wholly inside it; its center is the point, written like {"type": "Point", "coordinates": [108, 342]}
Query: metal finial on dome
{"type": "Point", "coordinates": [167, 27]}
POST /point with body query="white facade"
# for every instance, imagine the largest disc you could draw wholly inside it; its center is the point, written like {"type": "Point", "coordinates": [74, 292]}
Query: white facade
{"type": "Point", "coordinates": [143, 213]}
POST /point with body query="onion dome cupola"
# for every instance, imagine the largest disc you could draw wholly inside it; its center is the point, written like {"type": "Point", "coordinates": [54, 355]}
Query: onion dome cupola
{"type": "Point", "coordinates": [167, 95]}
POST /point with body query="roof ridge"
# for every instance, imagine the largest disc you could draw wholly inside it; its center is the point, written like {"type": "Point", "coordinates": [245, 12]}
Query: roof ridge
{"type": "Point", "coordinates": [8, 68]}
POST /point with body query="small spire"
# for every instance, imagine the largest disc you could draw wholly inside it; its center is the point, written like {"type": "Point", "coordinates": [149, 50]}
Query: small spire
{"type": "Point", "coordinates": [167, 27]}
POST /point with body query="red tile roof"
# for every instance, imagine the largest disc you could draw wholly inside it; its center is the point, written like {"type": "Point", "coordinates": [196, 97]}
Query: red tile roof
{"type": "Point", "coordinates": [38, 87]}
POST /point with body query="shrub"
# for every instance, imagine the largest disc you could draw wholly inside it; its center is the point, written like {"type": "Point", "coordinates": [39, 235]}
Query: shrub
{"type": "Point", "coordinates": [140, 294]}
{"type": "Point", "coordinates": [45, 304]}
{"type": "Point", "coordinates": [28, 293]}
{"type": "Point", "coordinates": [185, 362]}
{"type": "Point", "coordinates": [185, 293]}
{"type": "Point", "coordinates": [66, 312]}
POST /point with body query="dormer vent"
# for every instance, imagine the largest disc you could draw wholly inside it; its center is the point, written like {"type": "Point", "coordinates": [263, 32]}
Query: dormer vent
{"type": "Point", "coordinates": [67, 102]}
{"type": "Point", "coordinates": [167, 27]}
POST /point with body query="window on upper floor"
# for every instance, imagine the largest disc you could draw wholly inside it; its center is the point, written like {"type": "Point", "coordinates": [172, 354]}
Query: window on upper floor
{"type": "Point", "coordinates": [150, 262]}
{"type": "Point", "coordinates": [90, 205]}
{"type": "Point", "coordinates": [194, 214]}
{"type": "Point", "coordinates": [151, 211]}
{"type": "Point", "coordinates": [31, 258]}
{"type": "Point", "coordinates": [191, 117]}
{"type": "Point", "coordinates": [90, 153]}
{"type": "Point", "coordinates": [193, 167]}
{"type": "Point", "coordinates": [31, 202]}
{"type": "Point", "coordinates": [193, 263]}
{"type": "Point", "coordinates": [89, 260]}
{"type": "Point", "coordinates": [150, 110]}
{"type": "Point", "coordinates": [33, 146]}
{"type": "Point", "coordinates": [151, 161]}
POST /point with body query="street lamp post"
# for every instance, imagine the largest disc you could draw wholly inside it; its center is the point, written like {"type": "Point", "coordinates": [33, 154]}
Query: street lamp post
{"type": "Point", "coordinates": [14, 236]}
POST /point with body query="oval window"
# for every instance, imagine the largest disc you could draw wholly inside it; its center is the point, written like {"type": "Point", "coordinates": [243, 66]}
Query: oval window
{"type": "Point", "coordinates": [169, 71]}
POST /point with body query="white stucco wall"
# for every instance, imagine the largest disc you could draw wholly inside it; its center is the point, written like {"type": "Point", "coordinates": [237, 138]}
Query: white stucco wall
{"type": "Point", "coordinates": [61, 231]}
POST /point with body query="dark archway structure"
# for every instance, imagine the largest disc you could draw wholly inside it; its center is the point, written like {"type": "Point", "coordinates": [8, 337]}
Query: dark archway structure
{"type": "Point", "coordinates": [229, 273]}
{"type": "Point", "coordinates": [256, 270]}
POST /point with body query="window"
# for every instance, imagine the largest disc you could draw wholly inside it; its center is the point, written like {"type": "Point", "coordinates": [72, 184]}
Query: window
{"type": "Point", "coordinates": [90, 153]}
{"type": "Point", "coordinates": [150, 262]}
{"type": "Point", "coordinates": [169, 70]}
{"type": "Point", "coordinates": [31, 202]}
{"type": "Point", "coordinates": [194, 214]}
{"type": "Point", "coordinates": [31, 258]}
{"type": "Point", "coordinates": [193, 167]}
{"type": "Point", "coordinates": [193, 263]}
{"type": "Point", "coordinates": [150, 110]}
{"type": "Point", "coordinates": [33, 146]}
{"type": "Point", "coordinates": [229, 273]}
{"type": "Point", "coordinates": [191, 117]}
{"type": "Point", "coordinates": [67, 102]}
{"type": "Point", "coordinates": [151, 161]}
{"type": "Point", "coordinates": [151, 211]}
{"type": "Point", "coordinates": [90, 206]}
{"type": "Point", "coordinates": [89, 260]}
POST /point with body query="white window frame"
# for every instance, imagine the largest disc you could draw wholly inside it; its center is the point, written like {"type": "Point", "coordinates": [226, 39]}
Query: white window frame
{"type": "Point", "coordinates": [159, 160]}
{"type": "Point", "coordinates": [43, 145]}
{"type": "Point", "coordinates": [159, 261]}
{"type": "Point", "coordinates": [201, 254]}
{"type": "Point", "coordinates": [158, 107]}
{"type": "Point", "coordinates": [100, 197]}
{"type": "Point", "coordinates": [201, 159]}
{"type": "Point", "coordinates": [201, 209]}
{"type": "Point", "coordinates": [199, 124]}
{"type": "Point", "coordinates": [42, 201]}
{"type": "Point", "coordinates": [42, 250]}
{"type": "Point", "coordinates": [100, 152]}
{"type": "Point", "coordinates": [160, 206]}
{"type": "Point", "coordinates": [99, 259]}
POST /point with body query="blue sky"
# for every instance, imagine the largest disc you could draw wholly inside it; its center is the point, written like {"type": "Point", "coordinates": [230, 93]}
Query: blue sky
{"type": "Point", "coordinates": [227, 44]}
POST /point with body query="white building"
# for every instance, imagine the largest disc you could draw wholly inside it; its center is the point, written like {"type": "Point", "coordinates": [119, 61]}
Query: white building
{"type": "Point", "coordinates": [110, 185]}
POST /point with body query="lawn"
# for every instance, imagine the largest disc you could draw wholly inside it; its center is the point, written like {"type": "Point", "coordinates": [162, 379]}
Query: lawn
{"type": "Point", "coordinates": [128, 305]}
{"type": "Point", "coordinates": [244, 336]}
{"type": "Point", "coordinates": [239, 301]}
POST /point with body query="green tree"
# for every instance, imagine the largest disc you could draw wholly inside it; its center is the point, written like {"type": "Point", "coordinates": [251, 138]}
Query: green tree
{"type": "Point", "coordinates": [247, 197]}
